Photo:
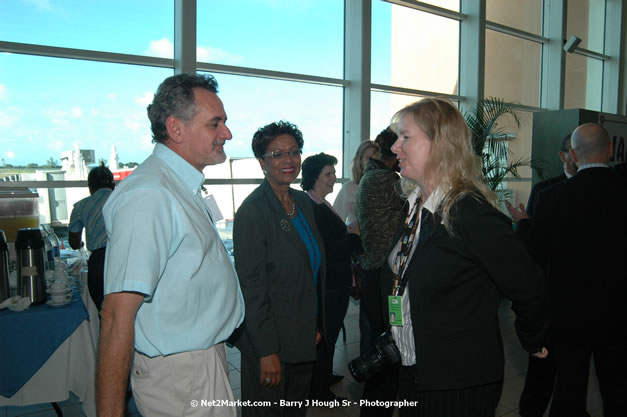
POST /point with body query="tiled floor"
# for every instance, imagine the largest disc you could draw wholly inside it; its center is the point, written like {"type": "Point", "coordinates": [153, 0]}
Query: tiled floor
{"type": "Point", "coordinates": [515, 369]}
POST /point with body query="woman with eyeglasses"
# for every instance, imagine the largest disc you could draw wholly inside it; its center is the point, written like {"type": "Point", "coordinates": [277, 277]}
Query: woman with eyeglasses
{"type": "Point", "coordinates": [279, 258]}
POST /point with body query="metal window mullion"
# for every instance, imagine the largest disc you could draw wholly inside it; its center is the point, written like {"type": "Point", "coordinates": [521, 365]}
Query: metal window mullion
{"type": "Point", "coordinates": [411, 92]}
{"type": "Point", "coordinates": [553, 58]}
{"type": "Point", "coordinates": [429, 8]}
{"type": "Point", "coordinates": [276, 75]}
{"type": "Point", "coordinates": [516, 32]}
{"type": "Point", "coordinates": [84, 54]}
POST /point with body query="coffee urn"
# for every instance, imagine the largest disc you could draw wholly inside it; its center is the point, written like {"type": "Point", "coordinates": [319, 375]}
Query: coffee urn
{"type": "Point", "coordinates": [29, 253]}
{"type": "Point", "coordinates": [5, 291]}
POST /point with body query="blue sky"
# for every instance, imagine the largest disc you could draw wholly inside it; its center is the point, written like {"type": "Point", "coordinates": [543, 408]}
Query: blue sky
{"type": "Point", "coordinates": [48, 105]}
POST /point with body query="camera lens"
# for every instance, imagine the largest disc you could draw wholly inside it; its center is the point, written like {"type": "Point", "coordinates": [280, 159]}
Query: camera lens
{"type": "Point", "coordinates": [384, 353]}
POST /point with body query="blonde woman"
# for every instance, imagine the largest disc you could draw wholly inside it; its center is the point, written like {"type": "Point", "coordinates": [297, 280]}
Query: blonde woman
{"type": "Point", "coordinates": [344, 203]}
{"type": "Point", "coordinates": [457, 257]}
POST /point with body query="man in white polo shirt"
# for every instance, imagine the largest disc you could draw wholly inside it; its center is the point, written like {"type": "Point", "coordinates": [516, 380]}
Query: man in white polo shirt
{"type": "Point", "coordinates": [171, 294]}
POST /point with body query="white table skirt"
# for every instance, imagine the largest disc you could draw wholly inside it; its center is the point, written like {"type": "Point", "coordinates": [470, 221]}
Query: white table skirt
{"type": "Point", "coordinates": [72, 367]}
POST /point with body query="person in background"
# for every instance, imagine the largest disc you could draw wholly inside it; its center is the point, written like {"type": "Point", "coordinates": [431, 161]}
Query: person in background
{"type": "Point", "coordinates": [380, 214]}
{"type": "Point", "coordinates": [280, 261]}
{"type": "Point", "coordinates": [340, 244]}
{"type": "Point", "coordinates": [579, 233]}
{"type": "Point", "coordinates": [457, 256]}
{"type": "Point", "coordinates": [540, 378]}
{"type": "Point", "coordinates": [344, 203]}
{"type": "Point", "coordinates": [520, 215]}
{"type": "Point", "coordinates": [171, 293]}
{"type": "Point", "coordinates": [87, 214]}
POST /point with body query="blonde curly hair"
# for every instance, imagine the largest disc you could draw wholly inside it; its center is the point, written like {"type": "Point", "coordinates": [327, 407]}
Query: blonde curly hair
{"type": "Point", "coordinates": [452, 165]}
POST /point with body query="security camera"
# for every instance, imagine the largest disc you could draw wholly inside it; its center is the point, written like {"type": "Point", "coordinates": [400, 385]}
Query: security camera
{"type": "Point", "coordinates": [572, 43]}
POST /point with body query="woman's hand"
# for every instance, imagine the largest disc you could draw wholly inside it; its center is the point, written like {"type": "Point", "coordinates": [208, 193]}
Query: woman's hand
{"type": "Point", "coordinates": [353, 228]}
{"type": "Point", "coordinates": [270, 370]}
{"type": "Point", "coordinates": [542, 354]}
{"type": "Point", "coordinates": [318, 337]}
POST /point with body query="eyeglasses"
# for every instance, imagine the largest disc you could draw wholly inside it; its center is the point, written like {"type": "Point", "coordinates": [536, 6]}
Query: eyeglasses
{"type": "Point", "coordinates": [281, 154]}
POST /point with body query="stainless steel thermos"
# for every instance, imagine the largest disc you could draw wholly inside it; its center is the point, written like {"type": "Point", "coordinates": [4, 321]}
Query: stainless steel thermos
{"type": "Point", "coordinates": [29, 251]}
{"type": "Point", "coordinates": [5, 291]}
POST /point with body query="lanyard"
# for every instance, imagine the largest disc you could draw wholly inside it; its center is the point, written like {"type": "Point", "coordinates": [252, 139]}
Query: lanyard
{"type": "Point", "coordinates": [407, 240]}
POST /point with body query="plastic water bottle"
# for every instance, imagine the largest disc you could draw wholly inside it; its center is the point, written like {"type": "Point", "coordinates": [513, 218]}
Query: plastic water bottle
{"type": "Point", "coordinates": [54, 242]}
{"type": "Point", "coordinates": [49, 264]}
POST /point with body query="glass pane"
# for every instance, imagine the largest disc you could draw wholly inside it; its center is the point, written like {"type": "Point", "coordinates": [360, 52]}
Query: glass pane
{"type": "Point", "coordinates": [44, 114]}
{"type": "Point", "coordinates": [583, 82]}
{"type": "Point", "coordinates": [586, 19]}
{"type": "Point", "coordinates": [251, 103]}
{"type": "Point", "coordinates": [140, 27]}
{"type": "Point", "coordinates": [383, 106]}
{"type": "Point", "coordinates": [413, 49]}
{"type": "Point", "coordinates": [523, 15]}
{"type": "Point", "coordinates": [512, 68]}
{"type": "Point", "coordinates": [304, 37]}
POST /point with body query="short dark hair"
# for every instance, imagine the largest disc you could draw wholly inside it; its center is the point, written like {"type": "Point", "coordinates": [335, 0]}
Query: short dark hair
{"type": "Point", "coordinates": [385, 140]}
{"type": "Point", "coordinates": [312, 167]}
{"type": "Point", "coordinates": [175, 97]}
{"type": "Point", "coordinates": [264, 135]}
{"type": "Point", "coordinates": [100, 177]}
{"type": "Point", "coordinates": [565, 144]}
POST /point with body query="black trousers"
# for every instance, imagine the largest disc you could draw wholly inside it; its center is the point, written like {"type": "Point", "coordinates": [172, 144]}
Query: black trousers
{"type": "Point", "coordinates": [95, 276]}
{"type": "Point", "coordinates": [539, 383]}
{"type": "Point", "coordinates": [335, 309]}
{"type": "Point", "coordinates": [479, 401]}
{"type": "Point", "coordinates": [294, 386]}
{"type": "Point", "coordinates": [572, 364]}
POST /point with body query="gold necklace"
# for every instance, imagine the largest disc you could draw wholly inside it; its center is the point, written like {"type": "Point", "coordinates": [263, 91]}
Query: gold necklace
{"type": "Point", "coordinates": [293, 212]}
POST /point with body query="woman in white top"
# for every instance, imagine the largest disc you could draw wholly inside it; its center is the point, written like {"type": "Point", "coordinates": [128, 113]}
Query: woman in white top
{"type": "Point", "coordinates": [344, 203]}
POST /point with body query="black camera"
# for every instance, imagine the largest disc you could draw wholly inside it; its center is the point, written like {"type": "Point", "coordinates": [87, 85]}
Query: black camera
{"type": "Point", "coordinates": [383, 354]}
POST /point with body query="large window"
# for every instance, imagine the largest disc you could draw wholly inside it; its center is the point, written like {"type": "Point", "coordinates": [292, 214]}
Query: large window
{"type": "Point", "coordinates": [282, 35]}
{"type": "Point", "coordinates": [414, 49]}
{"type": "Point", "coordinates": [51, 105]}
{"type": "Point", "coordinates": [512, 68]}
{"type": "Point", "coordinates": [139, 27]}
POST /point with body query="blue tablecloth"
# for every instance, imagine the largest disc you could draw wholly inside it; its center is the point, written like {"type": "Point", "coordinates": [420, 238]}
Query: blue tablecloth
{"type": "Point", "coordinates": [28, 338]}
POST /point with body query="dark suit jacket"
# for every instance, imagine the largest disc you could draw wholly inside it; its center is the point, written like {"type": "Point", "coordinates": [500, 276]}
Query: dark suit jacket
{"type": "Point", "coordinates": [579, 231]}
{"type": "Point", "coordinates": [522, 227]}
{"type": "Point", "coordinates": [339, 247]}
{"type": "Point", "coordinates": [276, 278]}
{"type": "Point", "coordinates": [455, 286]}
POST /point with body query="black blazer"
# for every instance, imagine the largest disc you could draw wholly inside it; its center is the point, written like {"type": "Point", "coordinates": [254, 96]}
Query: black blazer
{"type": "Point", "coordinates": [339, 247]}
{"type": "Point", "coordinates": [522, 227]}
{"type": "Point", "coordinates": [579, 232]}
{"type": "Point", "coordinates": [272, 263]}
{"type": "Point", "coordinates": [455, 286]}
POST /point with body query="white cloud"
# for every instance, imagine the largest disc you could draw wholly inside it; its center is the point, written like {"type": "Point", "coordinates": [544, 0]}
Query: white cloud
{"type": "Point", "coordinates": [111, 96]}
{"type": "Point", "coordinates": [209, 54]}
{"type": "Point", "coordinates": [144, 100]}
{"type": "Point", "coordinates": [3, 91]}
{"type": "Point", "coordinates": [56, 145]}
{"type": "Point", "coordinates": [76, 112]}
{"type": "Point", "coordinates": [133, 124]}
{"type": "Point", "coordinates": [163, 48]}
{"type": "Point", "coordinates": [40, 4]}
{"type": "Point", "coordinates": [9, 116]}
{"type": "Point", "coordinates": [10, 154]}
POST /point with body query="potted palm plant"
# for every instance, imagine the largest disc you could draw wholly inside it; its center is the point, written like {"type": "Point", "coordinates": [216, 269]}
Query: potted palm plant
{"type": "Point", "coordinates": [490, 141]}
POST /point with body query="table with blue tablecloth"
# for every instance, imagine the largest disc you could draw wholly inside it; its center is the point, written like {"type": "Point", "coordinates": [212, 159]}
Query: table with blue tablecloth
{"type": "Point", "coordinates": [46, 352]}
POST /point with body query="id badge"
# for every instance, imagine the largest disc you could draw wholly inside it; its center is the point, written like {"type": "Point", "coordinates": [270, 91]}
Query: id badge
{"type": "Point", "coordinates": [395, 310]}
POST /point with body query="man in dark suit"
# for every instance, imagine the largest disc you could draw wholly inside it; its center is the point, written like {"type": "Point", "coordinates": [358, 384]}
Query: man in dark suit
{"type": "Point", "coordinates": [540, 378]}
{"type": "Point", "coordinates": [579, 232]}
